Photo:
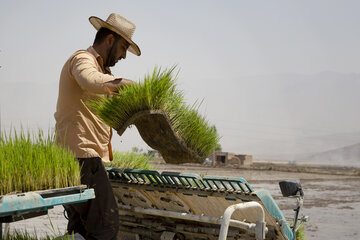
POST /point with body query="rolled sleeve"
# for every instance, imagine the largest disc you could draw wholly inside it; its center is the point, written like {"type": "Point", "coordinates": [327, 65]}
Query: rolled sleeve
{"type": "Point", "coordinates": [86, 73]}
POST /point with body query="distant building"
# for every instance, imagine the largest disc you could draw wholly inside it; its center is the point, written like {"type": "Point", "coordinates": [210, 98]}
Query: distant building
{"type": "Point", "coordinates": [153, 153]}
{"type": "Point", "coordinates": [230, 159]}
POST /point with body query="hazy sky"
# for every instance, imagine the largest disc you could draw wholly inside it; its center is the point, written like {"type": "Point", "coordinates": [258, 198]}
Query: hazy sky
{"type": "Point", "coordinates": [275, 77]}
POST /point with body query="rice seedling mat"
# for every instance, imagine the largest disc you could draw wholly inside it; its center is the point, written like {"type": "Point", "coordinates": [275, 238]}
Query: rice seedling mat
{"type": "Point", "coordinates": [165, 122]}
{"type": "Point", "coordinates": [30, 162]}
{"type": "Point", "coordinates": [156, 130]}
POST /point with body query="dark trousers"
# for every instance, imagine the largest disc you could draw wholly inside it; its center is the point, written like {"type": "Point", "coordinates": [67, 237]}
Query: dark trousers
{"type": "Point", "coordinates": [96, 218]}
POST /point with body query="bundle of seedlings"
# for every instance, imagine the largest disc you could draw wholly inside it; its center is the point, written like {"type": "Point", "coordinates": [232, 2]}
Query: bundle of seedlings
{"type": "Point", "coordinates": [30, 162]}
{"type": "Point", "coordinates": [165, 122]}
{"type": "Point", "coordinates": [130, 160]}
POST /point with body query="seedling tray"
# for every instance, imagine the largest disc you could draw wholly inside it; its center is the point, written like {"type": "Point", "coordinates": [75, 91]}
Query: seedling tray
{"type": "Point", "coordinates": [14, 207]}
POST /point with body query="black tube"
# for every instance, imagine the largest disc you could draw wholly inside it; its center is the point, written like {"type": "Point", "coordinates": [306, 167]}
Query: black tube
{"type": "Point", "coordinates": [297, 210]}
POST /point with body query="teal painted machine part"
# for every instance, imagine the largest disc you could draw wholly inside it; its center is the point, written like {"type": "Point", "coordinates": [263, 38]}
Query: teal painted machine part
{"type": "Point", "coordinates": [184, 179]}
{"type": "Point", "coordinates": [180, 179]}
{"type": "Point", "coordinates": [228, 183]}
{"type": "Point", "coordinates": [140, 175]}
{"type": "Point", "coordinates": [275, 211]}
{"type": "Point", "coordinates": [33, 201]}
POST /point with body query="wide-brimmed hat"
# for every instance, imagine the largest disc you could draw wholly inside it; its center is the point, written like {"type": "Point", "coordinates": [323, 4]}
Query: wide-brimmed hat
{"type": "Point", "coordinates": [119, 25]}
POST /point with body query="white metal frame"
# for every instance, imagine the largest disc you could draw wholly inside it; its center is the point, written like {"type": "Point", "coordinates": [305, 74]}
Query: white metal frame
{"type": "Point", "coordinates": [259, 227]}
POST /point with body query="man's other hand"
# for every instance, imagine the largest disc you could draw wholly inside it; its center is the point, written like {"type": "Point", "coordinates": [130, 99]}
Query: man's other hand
{"type": "Point", "coordinates": [115, 85]}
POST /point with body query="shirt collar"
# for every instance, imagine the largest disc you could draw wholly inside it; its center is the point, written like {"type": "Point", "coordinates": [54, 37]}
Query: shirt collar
{"type": "Point", "coordinates": [99, 60]}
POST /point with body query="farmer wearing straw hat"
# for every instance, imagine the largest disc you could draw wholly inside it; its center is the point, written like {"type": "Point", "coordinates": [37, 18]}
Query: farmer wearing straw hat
{"type": "Point", "coordinates": [86, 75]}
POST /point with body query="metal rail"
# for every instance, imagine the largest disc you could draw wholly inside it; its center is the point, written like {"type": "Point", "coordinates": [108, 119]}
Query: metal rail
{"type": "Point", "coordinates": [259, 228]}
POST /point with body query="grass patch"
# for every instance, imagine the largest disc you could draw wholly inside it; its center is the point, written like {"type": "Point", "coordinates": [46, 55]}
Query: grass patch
{"type": "Point", "coordinates": [158, 91]}
{"type": "Point", "coordinates": [24, 235]}
{"type": "Point", "coordinates": [130, 160]}
{"type": "Point", "coordinates": [17, 235]}
{"type": "Point", "coordinates": [30, 162]}
{"type": "Point", "coordinates": [300, 234]}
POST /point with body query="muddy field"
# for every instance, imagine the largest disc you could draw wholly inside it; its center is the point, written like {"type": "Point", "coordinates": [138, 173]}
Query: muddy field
{"type": "Point", "coordinates": [331, 201]}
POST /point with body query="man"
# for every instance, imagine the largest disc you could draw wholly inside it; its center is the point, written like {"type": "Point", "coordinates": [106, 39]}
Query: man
{"type": "Point", "coordinates": [86, 75]}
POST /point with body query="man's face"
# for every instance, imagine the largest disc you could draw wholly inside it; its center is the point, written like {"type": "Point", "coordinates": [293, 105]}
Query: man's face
{"type": "Point", "coordinates": [118, 51]}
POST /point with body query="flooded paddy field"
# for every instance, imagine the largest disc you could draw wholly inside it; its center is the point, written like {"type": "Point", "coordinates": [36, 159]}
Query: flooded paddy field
{"type": "Point", "coordinates": [331, 201]}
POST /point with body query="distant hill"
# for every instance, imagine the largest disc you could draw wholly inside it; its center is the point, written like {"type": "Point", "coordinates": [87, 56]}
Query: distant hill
{"type": "Point", "coordinates": [346, 156]}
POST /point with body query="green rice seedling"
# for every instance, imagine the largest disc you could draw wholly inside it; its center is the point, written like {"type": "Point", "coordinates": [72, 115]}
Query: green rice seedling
{"type": "Point", "coordinates": [30, 162]}
{"type": "Point", "coordinates": [130, 160]}
{"type": "Point", "coordinates": [24, 235]}
{"type": "Point", "coordinates": [19, 235]}
{"type": "Point", "coordinates": [300, 233]}
{"type": "Point", "coordinates": [158, 91]}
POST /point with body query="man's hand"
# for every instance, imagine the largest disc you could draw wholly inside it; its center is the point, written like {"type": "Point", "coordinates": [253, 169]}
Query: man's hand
{"type": "Point", "coordinates": [116, 84]}
{"type": "Point", "coordinates": [125, 81]}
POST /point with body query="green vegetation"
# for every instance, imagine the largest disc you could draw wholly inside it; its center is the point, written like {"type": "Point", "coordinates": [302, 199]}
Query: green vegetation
{"type": "Point", "coordinates": [30, 162]}
{"type": "Point", "coordinates": [218, 147]}
{"type": "Point", "coordinates": [158, 92]}
{"type": "Point", "coordinates": [300, 234]}
{"type": "Point", "coordinates": [130, 160]}
{"type": "Point", "coordinates": [25, 236]}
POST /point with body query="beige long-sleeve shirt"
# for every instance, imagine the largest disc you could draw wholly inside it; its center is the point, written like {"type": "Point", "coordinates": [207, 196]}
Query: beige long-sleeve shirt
{"type": "Point", "coordinates": [77, 127]}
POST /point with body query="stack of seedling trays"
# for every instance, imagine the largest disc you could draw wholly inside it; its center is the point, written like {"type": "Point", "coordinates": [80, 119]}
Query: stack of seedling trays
{"type": "Point", "coordinates": [163, 120]}
{"type": "Point", "coordinates": [36, 175]}
{"type": "Point", "coordinates": [15, 207]}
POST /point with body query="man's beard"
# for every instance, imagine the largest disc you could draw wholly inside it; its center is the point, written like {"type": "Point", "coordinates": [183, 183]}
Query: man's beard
{"type": "Point", "coordinates": [111, 59]}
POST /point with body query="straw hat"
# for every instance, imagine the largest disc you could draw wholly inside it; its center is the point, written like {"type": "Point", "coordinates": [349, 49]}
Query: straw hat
{"type": "Point", "coordinates": [121, 26]}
